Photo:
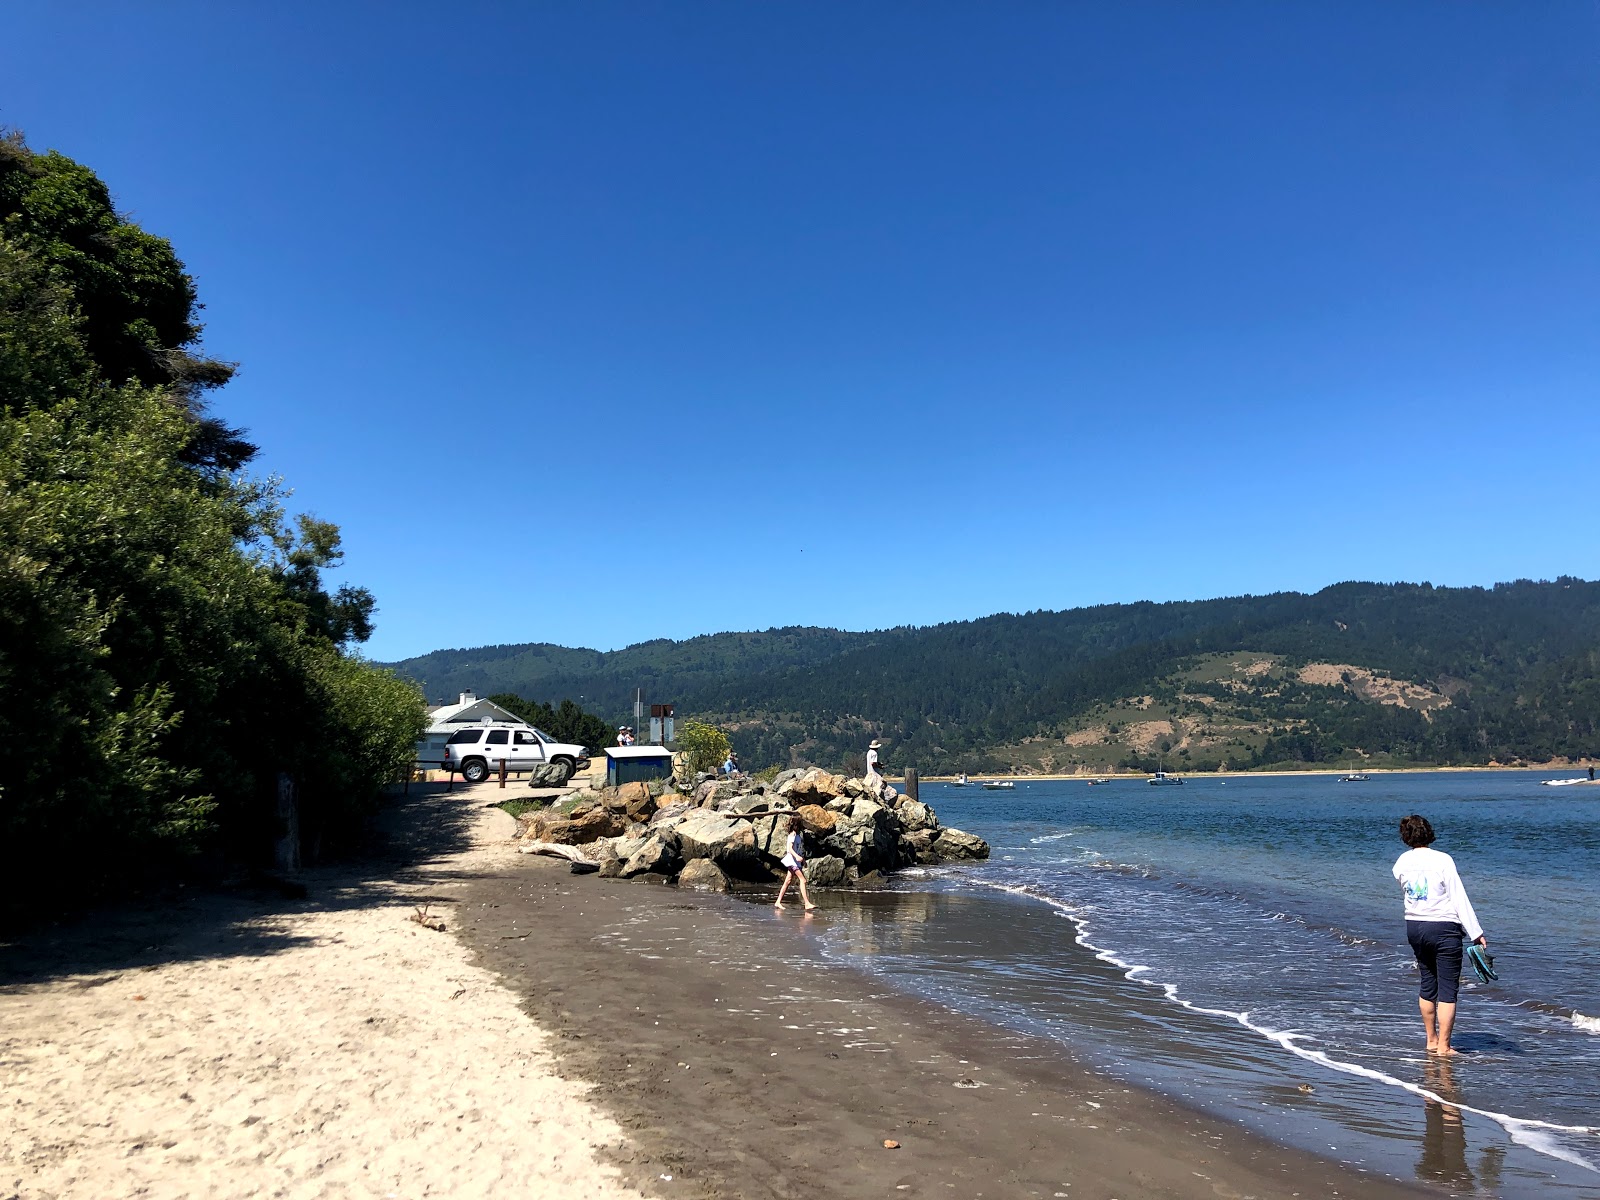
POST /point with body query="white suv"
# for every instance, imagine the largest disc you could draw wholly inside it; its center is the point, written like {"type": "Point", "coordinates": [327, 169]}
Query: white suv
{"type": "Point", "coordinates": [477, 750]}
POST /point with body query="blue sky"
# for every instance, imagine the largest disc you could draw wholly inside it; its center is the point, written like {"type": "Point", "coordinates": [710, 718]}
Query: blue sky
{"type": "Point", "coordinates": [591, 322]}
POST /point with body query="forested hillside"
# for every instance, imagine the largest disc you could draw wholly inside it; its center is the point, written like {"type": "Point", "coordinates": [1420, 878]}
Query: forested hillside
{"type": "Point", "coordinates": [1358, 672]}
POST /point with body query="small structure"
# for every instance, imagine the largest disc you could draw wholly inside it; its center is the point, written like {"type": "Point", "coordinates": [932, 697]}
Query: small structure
{"type": "Point", "coordinates": [630, 764]}
{"type": "Point", "coordinates": [447, 718]}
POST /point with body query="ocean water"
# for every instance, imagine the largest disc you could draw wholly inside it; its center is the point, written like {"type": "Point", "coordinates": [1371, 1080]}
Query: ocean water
{"type": "Point", "coordinates": [1239, 943]}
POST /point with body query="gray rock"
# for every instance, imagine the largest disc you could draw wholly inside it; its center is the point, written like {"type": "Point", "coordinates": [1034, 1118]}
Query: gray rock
{"type": "Point", "coordinates": [549, 775]}
{"type": "Point", "coordinates": [953, 844]}
{"type": "Point", "coordinates": [913, 816]}
{"type": "Point", "coordinates": [866, 809]}
{"type": "Point", "coordinates": [672, 813]}
{"type": "Point", "coordinates": [611, 868]}
{"type": "Point", "coordinates": [917, 847]}
{"type": "Point", "coordinates": [825, 872]}
{"type": "Point", "coordinates": [784, 777]}
{"type": "Point", "coordinates": [703, 875]}
{"type": "Point", "coordinates": [841, 804]}
{"type": "Point", "coordinates": [658, 856]}
{"type": "Point", "coordinates": [729, 843]}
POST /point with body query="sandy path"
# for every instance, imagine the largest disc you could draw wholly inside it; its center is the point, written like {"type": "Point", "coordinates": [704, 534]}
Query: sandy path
{"type": "Point", "coordinates": [323, 1047]}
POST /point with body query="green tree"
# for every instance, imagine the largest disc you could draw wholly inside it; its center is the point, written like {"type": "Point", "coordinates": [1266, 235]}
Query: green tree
{"type": "Point", "coordinates": [168, 647]}
{"type": "Point", "coordinates": [705, 746]}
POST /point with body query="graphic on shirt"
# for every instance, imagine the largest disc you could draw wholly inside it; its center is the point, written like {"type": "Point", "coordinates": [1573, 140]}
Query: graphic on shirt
{"type": "Point", "coordinates": [1417, 889]}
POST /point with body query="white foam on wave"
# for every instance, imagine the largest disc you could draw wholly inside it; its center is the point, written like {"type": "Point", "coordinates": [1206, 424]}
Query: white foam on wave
{"type": "Point", "coordinates": [1525, 1131]}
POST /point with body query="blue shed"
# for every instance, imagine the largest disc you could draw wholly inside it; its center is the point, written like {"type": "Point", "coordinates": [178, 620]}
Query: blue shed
{"type": "Point", "coordinates": [630, 764]}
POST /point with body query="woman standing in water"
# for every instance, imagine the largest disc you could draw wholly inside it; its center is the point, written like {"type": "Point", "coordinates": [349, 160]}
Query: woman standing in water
{"type": "Point", "coordinates": [1438, 917]}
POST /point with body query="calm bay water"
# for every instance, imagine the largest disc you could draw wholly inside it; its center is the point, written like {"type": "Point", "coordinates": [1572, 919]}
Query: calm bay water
{"type": "Point", "coordinates": [1239, 943]}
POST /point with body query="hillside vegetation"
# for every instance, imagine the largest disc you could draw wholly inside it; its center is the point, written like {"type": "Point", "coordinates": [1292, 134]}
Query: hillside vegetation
{"type": "Point", "coordinates": [1355, 673]}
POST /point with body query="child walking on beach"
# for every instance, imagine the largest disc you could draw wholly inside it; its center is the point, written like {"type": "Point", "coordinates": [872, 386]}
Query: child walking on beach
{"type": "Point", "coordinates": [794, 858]}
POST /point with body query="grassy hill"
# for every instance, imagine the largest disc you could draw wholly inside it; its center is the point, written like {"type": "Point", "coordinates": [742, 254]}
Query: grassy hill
{"type": "Point", "coordinates": [1358, 672]}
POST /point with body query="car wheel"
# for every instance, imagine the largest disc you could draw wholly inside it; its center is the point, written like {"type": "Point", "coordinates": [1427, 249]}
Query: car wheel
{"type": "Point", "coordinates": [474, 770]}
{"type": "Point", "coordinates": [567, 768]}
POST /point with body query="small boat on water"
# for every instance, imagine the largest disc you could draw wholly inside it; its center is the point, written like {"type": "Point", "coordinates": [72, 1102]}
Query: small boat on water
{"type": "Point", "coordinates": [960, 780]}
{"type": "Point", "coordinates": [1568, 782]}
{"type": "Point", "coordinates": [1161, 778]}
{"type": "Point", "coordinates": [1355, 777]}
{"type": "Point", "coordinates": [1097, 782]}
{"type": "Point", "coordinates": [998, 785]}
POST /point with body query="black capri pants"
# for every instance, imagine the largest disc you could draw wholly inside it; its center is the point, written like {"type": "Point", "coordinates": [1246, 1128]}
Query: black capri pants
{"type": "Point", "coordinates": [1437, 945]}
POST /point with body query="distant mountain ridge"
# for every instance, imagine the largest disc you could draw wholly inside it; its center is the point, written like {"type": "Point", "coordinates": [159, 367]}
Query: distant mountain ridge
{"type": "Point", "coordinates": [1493, 674]}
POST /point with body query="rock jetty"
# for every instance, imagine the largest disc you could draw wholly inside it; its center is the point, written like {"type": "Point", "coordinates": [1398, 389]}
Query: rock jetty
{"type": "Point", "coordinates": [719, 832]}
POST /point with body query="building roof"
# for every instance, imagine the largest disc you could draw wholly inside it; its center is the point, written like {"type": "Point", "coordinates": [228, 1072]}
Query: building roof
{"type": "Point", "coordinates": [638, 752]}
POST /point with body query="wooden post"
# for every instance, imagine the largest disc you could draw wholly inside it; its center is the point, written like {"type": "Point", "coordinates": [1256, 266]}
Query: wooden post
{"type": "Point", "coordinates": [502, 773]}
{"type": "Point", "coordinates": [911, 784]}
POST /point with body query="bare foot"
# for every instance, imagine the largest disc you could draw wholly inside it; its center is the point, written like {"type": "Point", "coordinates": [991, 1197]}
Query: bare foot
{"type": "Point", "coordinates": [1446, 1050]}
{"type": "Point", "coordinates": [1433, 1047]}
{"type": "Point", "coordinates": [809, 907]}
{"type": "Point", "coordinates": [779, 907]}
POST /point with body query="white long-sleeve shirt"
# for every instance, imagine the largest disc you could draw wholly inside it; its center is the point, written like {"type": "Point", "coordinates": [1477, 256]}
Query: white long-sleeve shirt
{"type": "Point", "coordinates": [1434, 891]}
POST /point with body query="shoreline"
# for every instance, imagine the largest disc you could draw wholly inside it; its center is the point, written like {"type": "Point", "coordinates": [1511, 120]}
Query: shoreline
{"type": "Point", "coordinates": [743, 1063]}
{"type": "Point", "coordinates": [1120, 776]}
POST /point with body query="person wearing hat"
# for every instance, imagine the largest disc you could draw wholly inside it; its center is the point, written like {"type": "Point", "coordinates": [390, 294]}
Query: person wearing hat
{"type": "Point", "coordinates": [873, 777]}
{"type": "Point", "coordinates": [622, 736]}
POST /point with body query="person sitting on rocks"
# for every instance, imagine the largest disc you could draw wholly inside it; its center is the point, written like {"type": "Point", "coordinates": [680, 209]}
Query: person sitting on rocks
{"type": "Point", "coordinates": [730, 765]}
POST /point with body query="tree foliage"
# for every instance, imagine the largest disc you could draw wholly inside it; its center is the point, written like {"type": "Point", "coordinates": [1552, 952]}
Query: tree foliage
{"type": "Point", "coordinates": [167, 644]}
{"type": "Point", "coordinates": [565, 722]}
{"type": "Point", "coordinates": [705, 746]}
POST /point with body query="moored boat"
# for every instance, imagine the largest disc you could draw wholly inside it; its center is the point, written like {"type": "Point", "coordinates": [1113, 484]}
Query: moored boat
{"type": "Point", "coordinates": [998, 785]}
{"type": "Point", "coordinates": [1161, 778]}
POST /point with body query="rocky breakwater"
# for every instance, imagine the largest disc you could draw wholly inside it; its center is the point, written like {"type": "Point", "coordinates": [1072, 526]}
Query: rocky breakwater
{"type": "Point", "coordinates": [722, 833]}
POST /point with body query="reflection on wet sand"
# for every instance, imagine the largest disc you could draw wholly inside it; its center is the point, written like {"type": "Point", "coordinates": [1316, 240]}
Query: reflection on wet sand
{"type": "Point", "coordinates": [883, 921]}
{"type": "Point", "coordinates": [1444, 1137]}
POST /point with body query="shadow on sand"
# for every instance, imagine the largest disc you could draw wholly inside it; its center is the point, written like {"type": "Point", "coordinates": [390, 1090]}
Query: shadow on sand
{"type": "Point", "coordinates": [413, 837]}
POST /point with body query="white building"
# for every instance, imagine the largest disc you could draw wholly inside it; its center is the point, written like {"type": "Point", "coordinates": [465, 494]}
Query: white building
{"type": "Point", "coordinates": [447, 718]}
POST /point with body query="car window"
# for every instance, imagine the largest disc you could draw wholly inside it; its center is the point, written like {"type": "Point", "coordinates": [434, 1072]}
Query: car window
{"type": "Point", "coordinates": [499, 737]}
{"type": "Point", "coordinates": [464, 735]}
{"type": "Point", "coordinates": [544, 736]}
{"type": "Point", "coordinates": [524, 738]}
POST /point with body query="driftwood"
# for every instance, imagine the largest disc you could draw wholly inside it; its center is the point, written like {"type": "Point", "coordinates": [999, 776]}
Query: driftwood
{"type": "Point", "coordinates": [556, 850]}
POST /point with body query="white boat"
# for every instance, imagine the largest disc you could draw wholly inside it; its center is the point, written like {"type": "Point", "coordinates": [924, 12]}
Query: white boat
{"type": "Point", "coordinates": [1355, 777]}
{"type": "Point", "coordinates": [1567, 782]}
{"type": "Point", "coordinates": [1095, 782]}
{"type": "Point", "coordinates": [1161, 778]}
{"type": "Point", "coordinates": [998, 785]}
{"type": "Point", "coordinates": [960, 781]}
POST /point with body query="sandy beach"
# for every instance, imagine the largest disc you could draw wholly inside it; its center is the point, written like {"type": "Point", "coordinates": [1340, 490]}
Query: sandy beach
{"type": "Point", "coordinates": [567, 1036]}
{"type": "Point", "coordinates": [244, 1045]}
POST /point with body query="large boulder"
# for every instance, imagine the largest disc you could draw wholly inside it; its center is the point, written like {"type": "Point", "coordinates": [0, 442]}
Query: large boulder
{"type": "Point", "coordinates": [549, 775]}
{"type": "Point", "coordinates": [913, 816]}
{"type": "Point", "coordinates": [813, 787]}
{"type": "Point", "coordinates": [658, 856]}
{"type": "Point", "coordinates": [817, 818]}
{"type": "Point", "coordinates": [754, 804]}
{"type": "Point", "coordinates": [917, 847]}
{"type": "Point", "coordinates": [784, 777]}
{"type": "Point", "coordinates": [771, 834]}
{"type": "Point", "coordinates": [703, 875]}
{"type": "Point", "coordinates": [673, 812]}
{"type": "Point", "coordinates": [955, 845]}
{"type": "Point", "coordinates": [825, 872]}
{"type": "Point", "coordinates": [866, 809]}
{"type": "Point", "coordinates": [729, 843]}
{"type": "Point", "coordinates": [840, 804]}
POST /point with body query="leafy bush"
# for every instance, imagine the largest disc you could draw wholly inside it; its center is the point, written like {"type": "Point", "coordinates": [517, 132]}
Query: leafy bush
{"type": "Point", "coordinates": [704, 746]}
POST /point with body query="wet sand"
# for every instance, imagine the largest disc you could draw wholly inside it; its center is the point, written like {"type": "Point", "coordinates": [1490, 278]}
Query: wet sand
{"type": "Point", "coordinates": [742, 1065]}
